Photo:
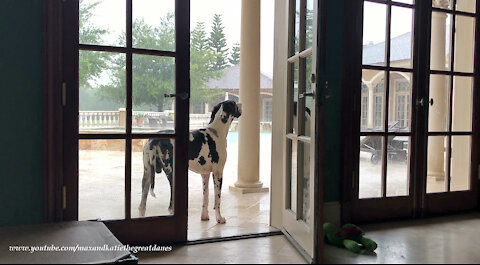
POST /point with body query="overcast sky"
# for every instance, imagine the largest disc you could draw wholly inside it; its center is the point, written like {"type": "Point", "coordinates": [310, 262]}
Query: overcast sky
{"type": "Point", "coordinates": [110, 15]}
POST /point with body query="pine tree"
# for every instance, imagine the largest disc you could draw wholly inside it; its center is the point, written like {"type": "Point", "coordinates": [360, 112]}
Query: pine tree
{"type": "Point", "coordinates": [235, 55]}
{"type": "Point", "coordinates": [218, 44]}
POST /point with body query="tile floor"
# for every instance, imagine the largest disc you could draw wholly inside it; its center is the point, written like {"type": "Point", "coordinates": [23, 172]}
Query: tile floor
{"type": "Point", "coordinates": [101, 191]}
{"type": "Point", "coordinates": [267, 250]}
{"type": "Point", "coordinates": [452, 239]}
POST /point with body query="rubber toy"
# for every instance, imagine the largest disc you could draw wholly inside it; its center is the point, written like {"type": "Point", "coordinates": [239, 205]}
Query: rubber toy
{"type": "Point", "coordinates": [349, 236]}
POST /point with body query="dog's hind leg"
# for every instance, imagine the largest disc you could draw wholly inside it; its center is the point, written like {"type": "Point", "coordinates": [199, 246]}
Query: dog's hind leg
{"type": "Point", "coordinates": [170, 180]}
{"type": "Point", "coordinates": [205, 178]}
{"type": "Point", "coordinates": [146, 181]}
{"type": "Point", "coordinates": [217, 182]}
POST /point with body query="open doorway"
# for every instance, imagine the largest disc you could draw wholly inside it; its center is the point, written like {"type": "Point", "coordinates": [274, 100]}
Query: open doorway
{"type": "Point", "coordinates": [215, 77]}
{"type": "Point", "coordinates": [215, 28]}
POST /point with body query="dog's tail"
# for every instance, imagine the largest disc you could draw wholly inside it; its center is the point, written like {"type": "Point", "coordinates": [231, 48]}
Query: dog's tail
{"type": "Point", "coordinates": [152, 181]}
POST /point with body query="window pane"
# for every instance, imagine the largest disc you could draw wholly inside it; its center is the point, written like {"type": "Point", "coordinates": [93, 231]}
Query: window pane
{"type": "Point", "coordinates": [152, 161]}
{"type": "Point", "coordinates": [404, 1]}
{"type": "Point", "coordinates": [153, 77]}
{"type": "Point", "coordinates": [308, 123]}
{"type": "Point", "coordinates": [102, 22]}
{"type": "Point", "coordinates": [436, 164]}
{"type": "Point", "coordinates": [101, 92]}
{"type": "Point", "coordinates": [309, 24]}
{"type": "Point", "coordinates": [401, 41]}
{"type": "Point", "coordinates": [441, 38]}
{"type": "Point", "coordinates": [297, 25]}
{"type": "Point", "coordinates": [464, 44]}
{"type": "Point", "coordinates": [374, 33]}
{"type": "Point", "coordinates": [293, 174]}
{"type": "Point", "coordinates": [439, 103]}
{"type": "Point", "coordinates": [400, 108]}
{"type": "Point", "coordinates": [305, 148]}
{"type": "Point", "coordinates": [461, 161]}
{"type": "Point", "coordinates": [294, 104]}
{"type": "Point", "coordinates": [373, 91]}
{"type": "Point", "coordinates": [462, 104]}
{"type": "Point", "coordinates": [101, 179]}
{"type": "Point", "coordinates": [154, 24]}
{"type": "Point", "coordinates": [398, 165]}
{"type": "Point", "coordinates": [371, 164]}
{"type": "Point", "coordinates": [444, 4]}
{"type": "Point", "coordinates": [466, 6]}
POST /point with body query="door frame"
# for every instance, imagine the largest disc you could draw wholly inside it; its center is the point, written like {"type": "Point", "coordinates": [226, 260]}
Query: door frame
{"type": "Point", "coordinates": [61, 50]}
{"type": "Point", "coordinates": [418, 205]}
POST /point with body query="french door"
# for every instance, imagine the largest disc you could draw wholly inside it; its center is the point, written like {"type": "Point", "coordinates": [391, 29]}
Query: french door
{"type": "Point", "coordinates": [419, 78]}
{"type": "Point", "coordinates": [126, 80]}
{"type": "Point", "coordinates": [302, 193]}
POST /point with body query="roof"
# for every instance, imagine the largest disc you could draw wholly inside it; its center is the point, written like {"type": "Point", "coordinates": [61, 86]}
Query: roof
{"type": "Point", "coordinates": [231, 80]}
{"type": "Point", "coordinates": [401, 49]}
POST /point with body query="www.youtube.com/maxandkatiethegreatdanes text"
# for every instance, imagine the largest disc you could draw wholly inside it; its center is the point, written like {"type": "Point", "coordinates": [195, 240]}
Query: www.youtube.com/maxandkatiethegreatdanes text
{"type": "Point", "coordinates": [78, 248]}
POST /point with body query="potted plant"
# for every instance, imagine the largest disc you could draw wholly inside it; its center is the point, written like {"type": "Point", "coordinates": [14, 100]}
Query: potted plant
{"type": "Point", "coordinates": [139, 118]}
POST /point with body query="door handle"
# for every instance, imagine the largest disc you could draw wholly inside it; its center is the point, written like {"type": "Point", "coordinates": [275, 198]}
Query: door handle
{"type": "Point", "coordinates": [307, 94]}
{"type": "Point", "coordinates": [181, 96]}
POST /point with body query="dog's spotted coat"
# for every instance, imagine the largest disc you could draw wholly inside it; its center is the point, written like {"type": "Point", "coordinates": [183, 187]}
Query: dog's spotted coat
{"type": "Point", "coordinates": [207, 153]}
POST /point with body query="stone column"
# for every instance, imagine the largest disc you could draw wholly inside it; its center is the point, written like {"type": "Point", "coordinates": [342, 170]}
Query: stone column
{"type": "Point", "coordinates": [438, 92]}
{"type": "Point", "coordinates": [122, 117]}
{"type": "Point", "coordinates": [249, 123]}
{"type": "Point", "coordinates": [371, 105]}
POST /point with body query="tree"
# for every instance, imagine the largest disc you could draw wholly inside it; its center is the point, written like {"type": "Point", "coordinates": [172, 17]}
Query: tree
{"type": "Point", "coordinates": [218, 43]}
{"type": "Point", "coordinates": [91, 64]}
{"type": "Point", "coordinates": [152, 76]}
{"type": "Point", "coordinates": [201, 57]}
{"type": "Point", "coordinates": [235, 55]}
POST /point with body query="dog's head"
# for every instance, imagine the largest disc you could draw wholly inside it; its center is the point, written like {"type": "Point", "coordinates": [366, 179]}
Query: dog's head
{"type": "Point", "coordinates": [226, 111]}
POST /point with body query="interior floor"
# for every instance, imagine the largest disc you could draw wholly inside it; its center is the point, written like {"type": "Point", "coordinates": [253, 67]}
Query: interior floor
{"type": "Point", "coordinates": [274, 249]}
{"type": "Point", "coordinates": [451, 239]}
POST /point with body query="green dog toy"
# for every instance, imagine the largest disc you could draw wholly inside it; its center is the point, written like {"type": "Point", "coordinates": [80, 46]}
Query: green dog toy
{"type": "Point", "coordinates": [349, 236]}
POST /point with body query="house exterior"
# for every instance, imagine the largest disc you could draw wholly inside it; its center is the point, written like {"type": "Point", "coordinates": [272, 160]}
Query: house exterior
{"type": "Point", "coordinates": [229, 84]}
{"type": "Point", "coordinates": [374, 85]}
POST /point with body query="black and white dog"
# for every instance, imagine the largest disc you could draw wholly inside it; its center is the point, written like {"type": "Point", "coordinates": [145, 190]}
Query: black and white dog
{"type": "Point", "coordinates": [207, 153]}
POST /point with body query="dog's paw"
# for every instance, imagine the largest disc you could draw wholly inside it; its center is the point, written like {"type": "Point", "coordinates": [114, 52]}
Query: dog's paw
{"type": "Point", "coordinates": [141, 212]}
{"type": "Point", "coordinates": [205, 218]}
{"type": "Point", "coordinates": [221, 220]}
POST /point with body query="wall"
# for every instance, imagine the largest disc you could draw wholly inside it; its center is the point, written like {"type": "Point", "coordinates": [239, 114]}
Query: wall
{"type": "Point", "coordinates": [21, 184]}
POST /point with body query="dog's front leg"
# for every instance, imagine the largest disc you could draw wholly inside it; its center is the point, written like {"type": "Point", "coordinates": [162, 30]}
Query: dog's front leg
{"type": "Point", "coordinates": [205, 178]}
{"type": "Point", "coordinates": [217, 181]}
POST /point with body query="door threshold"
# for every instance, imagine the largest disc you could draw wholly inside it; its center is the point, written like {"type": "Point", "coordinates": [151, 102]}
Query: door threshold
{"type": "Point", "coordinates": [232, 238]}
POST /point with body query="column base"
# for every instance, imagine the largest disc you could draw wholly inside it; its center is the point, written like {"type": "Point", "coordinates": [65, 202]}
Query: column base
{"type": "Point", "coordinates": [438, 176]}
{"type": "Point", "coordinates": [245, 190]}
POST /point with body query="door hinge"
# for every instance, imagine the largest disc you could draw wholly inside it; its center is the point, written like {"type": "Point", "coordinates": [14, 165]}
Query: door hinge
{"type": "Point", "coordinates": [64, 197]}
{"type": "Point", "coordinates": [64, 94]}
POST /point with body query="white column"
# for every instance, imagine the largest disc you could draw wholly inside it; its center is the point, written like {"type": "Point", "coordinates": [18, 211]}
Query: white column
{"type": "Point", "coordinates": [249, 123]}
{"type": "Point", "coordinates": [371, 104]}
{"type": "Point", "coordinates": [438, 92]}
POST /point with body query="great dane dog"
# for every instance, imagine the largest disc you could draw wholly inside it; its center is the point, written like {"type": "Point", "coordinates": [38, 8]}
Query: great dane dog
{"type": "Point", "coordinates": [207, 153]}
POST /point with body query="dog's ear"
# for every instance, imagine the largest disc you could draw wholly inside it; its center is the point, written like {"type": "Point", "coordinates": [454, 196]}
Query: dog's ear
{"type": "Point", "coordinates": [214, 112]}
{"type": "Point", "coordinates": [239, 110]}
